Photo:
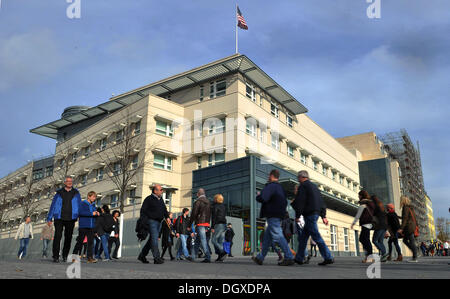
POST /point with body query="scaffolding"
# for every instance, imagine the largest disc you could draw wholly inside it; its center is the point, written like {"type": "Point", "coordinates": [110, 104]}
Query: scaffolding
{"type": "Point", "coordinates": [401, 148]}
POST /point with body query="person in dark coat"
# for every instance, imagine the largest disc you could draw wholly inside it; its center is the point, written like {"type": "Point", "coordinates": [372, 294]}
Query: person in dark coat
{"type": "Point", "coordinates": [229, 235]}
{"type": "Point", "coordinates": [393, 226]}
{"type": "Point", "coordinates": [182, 232]}
{"type": "Point", "coordinates": [308, 202]}
{"type": "Point", "coordinates": [115, 239]}
{"type": "Point", "coordinates": [166, 234]}
{"type": "Point", "coordinates": [408, 226]}
{"type": "Point", "coordinates": [201, 217]}
{"type": "Point", "coordinates": [380, 228]}
{"type": "Point", "coordinates": [218, 223]}
{"type": "Point", "coordinates": [273, 208]}
{"type": "Point", "coordinates": [64, 212]}
{"type": "Point", "coordinates": [103, 228]}
{"type": "Point", "coordinates": [364, 215]}
{"type": "Point", "coordinates": [155, 211]}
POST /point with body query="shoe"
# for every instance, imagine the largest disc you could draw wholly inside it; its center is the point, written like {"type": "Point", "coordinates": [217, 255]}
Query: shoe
{"type": "Point", "coordinates": [172, 258]}
{"type": "Point", "coordinates": [299, 262]}
{"type": "Point", "coordinates": [163, 258]}
{"type": "Point", "coordinates": [56, 260]}
{"type": "Point", "coordinates": [65, 259]}
{"type": "Point", "coordinates": [413, 260]}
{"type": "Point", "coordinates": [189, 259]}
{"type": "Point", "coordinates": [91, 261]}
{"type": "Point", "coordinates": [221, 257]}
{"type": "Point", "coordinates": [230, 255]}
{"type": "Point", "coordinates": [115, 257]}
{"type": "Point", "coordinates": [399, 258]}
{"type": "Point", "coordinates": [389, 258]}
{"type": "Point", "coordinates": [384, 258]}
{"type": "Point", "coordinates": [307, 259]}
{"type": "Point", "coordinates": [326, 262]}
{"type": "Point", "coordinates": [287, 262]}
{"type": "Point", "coordinates": [257, 260]}
{"type": "Point", "coordinates": [158, 261]}
{"type": "Point", "coordinates": [206, 261]}
{"type": "Point", "coordinates": [143, 259]}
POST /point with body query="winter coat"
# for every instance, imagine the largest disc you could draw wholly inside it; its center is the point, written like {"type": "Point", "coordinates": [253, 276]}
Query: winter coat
{"type": "Point", "coordinates": [21, 230]}
{"type": "Point", "coordinates": [218, 215]}
{"type": "Point", "coordinates": [154, 208]}
{"type": "Point", "coordinates": [181, 225]}
{"type": "Point", "coordinates": [273, 201]}
{"type": "Point", "coordinates": [408, 225]}
{"type": "Point", "coordinates": [381, 218]}
{"type": "Point", "coordinates": [87, 220]}
{"type": "Point", "coordinates": [104, 224]}
{"type": "Point", "coordinates": [229, 235]}
{"type": "Point", "coordinates": [201, 212]}
{"type": "Point", "coordinates": [393, 222]}
{"type": "Point", "coordinates": [56, 206]}
{"type": "Point", "coordinates": [308, 201]}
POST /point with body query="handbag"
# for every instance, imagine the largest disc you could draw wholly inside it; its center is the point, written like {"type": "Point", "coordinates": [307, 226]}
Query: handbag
{"type": "Point", "coordinates": [416, 230]}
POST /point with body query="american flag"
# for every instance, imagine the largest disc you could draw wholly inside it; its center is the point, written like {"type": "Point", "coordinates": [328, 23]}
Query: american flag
{"type": "Point", "coordinates": [241, 21]}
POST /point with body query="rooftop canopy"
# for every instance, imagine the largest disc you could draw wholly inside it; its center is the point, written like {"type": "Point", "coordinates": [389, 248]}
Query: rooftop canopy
{"type": "Point", "coordinates": [233, 64]}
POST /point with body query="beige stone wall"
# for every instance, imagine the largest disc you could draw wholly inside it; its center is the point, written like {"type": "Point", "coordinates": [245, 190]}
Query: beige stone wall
{"type": "Point", "coordinates": [367, 144]}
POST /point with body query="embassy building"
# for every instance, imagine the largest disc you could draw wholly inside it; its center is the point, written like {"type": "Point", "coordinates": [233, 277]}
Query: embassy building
{"type": "Point", "coordinates": [222, 127]}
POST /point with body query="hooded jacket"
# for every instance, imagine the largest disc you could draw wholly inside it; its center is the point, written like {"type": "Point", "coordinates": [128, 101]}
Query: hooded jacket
{"type": "Point", "coordinates": [57, 202]}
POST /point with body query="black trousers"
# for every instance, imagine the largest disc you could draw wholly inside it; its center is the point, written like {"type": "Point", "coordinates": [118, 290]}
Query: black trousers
{"type": "Point", "coordinates": [364, 238]}
{"type": "Point", "coordinates": [82, 233]}
{"type": "Point", "coordinates": [60, 226]}
{"type": "Point", "coordinates": [410, 242]}
{"type": "Point", "coordinates": [111, 241]}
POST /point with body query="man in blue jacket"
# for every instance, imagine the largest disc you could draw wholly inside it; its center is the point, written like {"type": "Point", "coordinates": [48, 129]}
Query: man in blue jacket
{"type": "Point", "coordinates": [64, 211]}
{"type": "Point", "coordinates": [308, 202]}
{"type": "Point", "coordinates": [87, 213]}
{"type": "Point", "coordinates": [274, 203]}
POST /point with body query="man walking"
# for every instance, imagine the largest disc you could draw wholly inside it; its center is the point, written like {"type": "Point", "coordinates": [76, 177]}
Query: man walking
{"type": "Point", "coordinates": [201, 216]}
{"type": "Point", "coordinates": [273, 208]}
{"type": "Point", "coordinates": [64, 211]}
{"type": "Point", "coordinates": [87, 214]}
{"type": "Point", "coordinates": [155, 210]}
{"type": "Point", "coordinates": [308, 202]}
{"type": "Point", "coordinates": [24, 234]}
{"type": "Point", "coordinates": [47, 235]}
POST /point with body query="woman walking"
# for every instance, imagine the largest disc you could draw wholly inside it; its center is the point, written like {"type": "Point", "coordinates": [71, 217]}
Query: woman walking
{"type": "Point", "coordinates": [380, 228]}
{"type": "Point", "coordinates": [393, 226]}
{"type": "Point", "coordinates": [408, 226]}
{"type": "Point", "coordinates": [219, 226]}
{"type": "Point", "coordinates": [364, 215]}
{"type": "Point", "coordinates": [167, 236]}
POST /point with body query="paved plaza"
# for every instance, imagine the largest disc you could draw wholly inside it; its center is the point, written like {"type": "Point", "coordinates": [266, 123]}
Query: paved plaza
{"type": "Point", "coordinates": [232, 268]}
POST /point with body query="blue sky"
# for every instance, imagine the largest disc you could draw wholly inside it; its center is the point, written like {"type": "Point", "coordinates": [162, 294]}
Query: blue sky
{"type": "Point", "coordinates": [354, 74]}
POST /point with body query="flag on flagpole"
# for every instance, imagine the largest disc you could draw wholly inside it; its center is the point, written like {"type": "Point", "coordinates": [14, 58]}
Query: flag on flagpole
{"type": "Point", "coordinates": [241, 21]}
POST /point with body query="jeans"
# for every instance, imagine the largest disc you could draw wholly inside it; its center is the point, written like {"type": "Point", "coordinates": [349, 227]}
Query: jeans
{"type": "Point", "coordinates": [378, 238]}
{"type": "Point", "coordinates": [201, 240]}
{"type": "Point", "coordinates": [152, 243]}
{"type": "Point", "coordinates": [104, 239]}
{"type": "Point", "coordinates": [410, 242]}
{"type": "Point", "coordinates": [218, 237]}
{"type": "Point", "coordinates": [311, 229]}
{"type": "Point", "coordinates": [364, 239]}
{"type": "Point", "coordinates": [111, 241]}
{"type": "Point", "coordinates": [183, 248]}
{"type": "Point", "coordinates": [274, 234]}
{"type": "Point", "coordinates": [394, 239]}
{"type": "Point", "coordinates": [23, 247]}
{"type": "Point", "coordinates": [45, 243]}
{"type": "Point", "coordinates": [67, 226]}
{"type": "Point", "coordinates": [300, 232]}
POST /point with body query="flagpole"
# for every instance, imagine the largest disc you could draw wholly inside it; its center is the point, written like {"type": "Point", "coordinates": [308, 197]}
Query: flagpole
{"type": "Point", "coordinates": [236, 25]}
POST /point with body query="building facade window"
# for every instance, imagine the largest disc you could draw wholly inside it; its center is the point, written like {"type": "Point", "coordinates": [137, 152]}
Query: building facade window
{"type": "Point", "coordinates": [250, 92]}
{"type": "Point", "coordinates": [103, 144]}
{"type": "Point", "coordinates": [84, 179]}
{"type": "Point", "coordinates": [87, 151]}
{"type": "Point", "coordinates": [100, 172]}
{"type": "Point", "coordinates": [324, 170]}
{"type": "Point", "coordinates": [217, 127]}
{"type": "Point", "coordinates": [163, 128]}
{"type": "Point", "coordinates": [250, 128]}
{"type": "Point", "coordinates": [289, 120]}
{"type": "Point", "coordinates": [333, 175]}
{"type": "Point", "coordinates": [117, 168]}
{"type": "Point", "coordinates": [262, 134]}
{"type": "Point", "coordinates": [274, 109]}
{"type": "Point", "coordinates": [48, 171]}
{"type": "Point", "coordinates": [216, 158]}
{"type": "Point", "coordinates": [162, 162]}
{"type": "Point", "coordinates": [217, 88]}
{"type": "Point", "coordinates": [202, 92]}
{"type": "Point", "coordinates": [346, 241]}
{"type": "Point", "coordinates": [114, 201]}
{"type": "Point", "coordinates": [303, 158]}
{"type": "Point", "coordinates": [37, 174]}
{"type": "Point", "coordinates": [134, 162]}
{"type": "Point", "coordinates": [74, 157]}
{"type": "Point", "coordinates": [315, 165]}
{"type": "Point", "coordinates": [275, 141]}
{"type": "Point", "coordinates": [199, 162]}
{"type": "Point", "coordinates": [137, 128]}
{"type": "Point", "coordinates": [290, 151]}
{"type": "Point", "coordinates": [341, 180]}
{"type": "Point", "coordinates": [132, 196]}
{"type": "Point", "coordinates": [119, 136]}
{"type": "Point", "coordinates": [333, 233]}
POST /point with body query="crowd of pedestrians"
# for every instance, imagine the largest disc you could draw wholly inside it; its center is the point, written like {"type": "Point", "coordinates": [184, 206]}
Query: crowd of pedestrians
{"type": "Point", "coordinates": [191, 233]}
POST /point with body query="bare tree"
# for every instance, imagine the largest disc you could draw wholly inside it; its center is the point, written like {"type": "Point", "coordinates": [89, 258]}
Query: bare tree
{"type": "Point", "coordinates": [6, 205]}
{"type": "Point", "coordinates": [26, 198]}
{"type": "Point", "coordinates": [64, 164]}
{"type": "Point", "coordinates": [126, 158]}
{"type": "Point", "coordinates": [442, 229]}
